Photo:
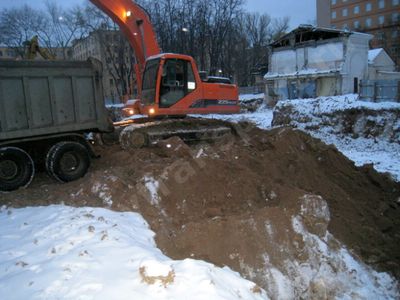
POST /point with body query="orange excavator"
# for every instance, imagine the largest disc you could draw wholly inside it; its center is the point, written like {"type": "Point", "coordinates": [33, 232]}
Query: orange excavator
{"type": "Point", "coordinates": [168, 84]}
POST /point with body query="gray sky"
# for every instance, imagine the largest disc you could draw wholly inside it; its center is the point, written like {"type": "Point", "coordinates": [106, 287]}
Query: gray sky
{"type": "Point", "coordinates": [299, 11]}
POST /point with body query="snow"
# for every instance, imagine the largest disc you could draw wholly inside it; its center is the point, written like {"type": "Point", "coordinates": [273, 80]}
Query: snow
{"type": "Point", "coordinates": [250, 97]}
{"type": "Point", "coordinates": [61, 252]}
{"type": "Point", "coordinates": [324, 105]}
{"type": "Point", "coordinates": [303, 72]}
{"type": "Point", "coordinates": [337, 267]}
{"type": "Point", "coordinates": [383, 155]}
{"type": "Point", "coordinates": [152, 186]}
{"type": "Point", "coordinates": [262, 117]}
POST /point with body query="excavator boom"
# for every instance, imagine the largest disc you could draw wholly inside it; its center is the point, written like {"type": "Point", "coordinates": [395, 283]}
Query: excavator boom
{"type": "Point", "coordinates": [135, 24]}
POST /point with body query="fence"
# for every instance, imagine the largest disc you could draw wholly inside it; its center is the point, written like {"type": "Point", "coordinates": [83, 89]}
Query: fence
{"type": "Point", "coordinates": [380, 90]}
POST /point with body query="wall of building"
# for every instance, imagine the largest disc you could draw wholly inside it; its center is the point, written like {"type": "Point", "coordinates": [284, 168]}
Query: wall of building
{"type": "Point", "coordinates": [318, 56]}
{"type": "Point", "coordinates": [323, 13]}
{"type": "Point", "coordinates": [355, 67]}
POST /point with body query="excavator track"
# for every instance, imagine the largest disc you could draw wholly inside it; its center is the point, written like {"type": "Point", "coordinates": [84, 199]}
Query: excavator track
{"type": "Point", "coordinates": [188, 129]}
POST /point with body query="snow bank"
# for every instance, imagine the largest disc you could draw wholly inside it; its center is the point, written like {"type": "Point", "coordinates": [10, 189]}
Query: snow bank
{"type": "Point", "coordinates": [250, 97]}
{"type": "Point", "coordinates": [337, 103]}
{"type": "Point", "coordinates": [365, 132]}
{"type": "Point", "coordinates": [262, 117]}
{"type": "Point", "coordinates": [60, 252]}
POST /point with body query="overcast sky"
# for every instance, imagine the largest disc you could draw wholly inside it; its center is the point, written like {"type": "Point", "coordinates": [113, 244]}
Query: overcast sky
{"type": "Point", "coordinates": [299, 11]}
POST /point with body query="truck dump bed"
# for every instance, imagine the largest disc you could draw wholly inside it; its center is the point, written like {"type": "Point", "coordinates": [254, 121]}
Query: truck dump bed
{"type": "Point", "coordinates": [39, 98]}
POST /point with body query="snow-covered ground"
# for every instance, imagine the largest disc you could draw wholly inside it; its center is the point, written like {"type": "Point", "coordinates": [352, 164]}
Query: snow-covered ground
{"type": "Point", "coordinates": [384, 155]}
{"type": "Point", "coordinates": [60, 252]}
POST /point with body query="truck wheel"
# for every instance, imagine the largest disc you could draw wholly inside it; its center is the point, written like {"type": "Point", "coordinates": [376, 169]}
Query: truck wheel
{"type": "Point", "coordinates": [16, 169]}
{"type": "Point", "coordinates": [67, 161]}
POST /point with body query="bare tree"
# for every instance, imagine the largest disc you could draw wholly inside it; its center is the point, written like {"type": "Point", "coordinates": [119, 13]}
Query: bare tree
{"type": "Point", "coordinates": [65, 25]}
{"type": "Point", "coordinates": [120, 60]}
{"type": "Point", "coordinates": [219, 34]}
{"type": "Point", "coordinates": [280, 27]}
{"type": "Point", "coordinates": [18, 25]}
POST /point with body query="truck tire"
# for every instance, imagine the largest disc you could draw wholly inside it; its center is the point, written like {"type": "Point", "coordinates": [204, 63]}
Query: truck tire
{"type": "Point", "coordinates": [67, 161]}
{"type": "Point", "coordinates": [16, 169]}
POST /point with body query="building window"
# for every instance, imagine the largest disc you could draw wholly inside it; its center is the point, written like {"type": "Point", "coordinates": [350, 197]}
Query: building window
{"type": "Point", "coordinates": [368, 6]}
{"type": "Point", "coordinates": [395, 2]}
{"type": "Point", "coordinates": [380, 36]}
{"type": "Point", "coordinates": [395, 17]}
{"type": "Point", "coordinates": [356, 9]}
{"type": "Point", "coordinates": [381, 20]}
{"type": "Point", "coordinates": [368, 22]}
{"type": "Point", "coordinates": [1, 53]}
{"type": "Point", "coordinates": [381, 3]}
{"type": "Point", "coordinates": [334, 15]}
{"type": "Point", "coordinates": [344, 12]}
{"type": "Point", "coordinates": [345, 26]}
{"type": "Point", "coordinates": [356, 24]}
{"type": "Point", "coordinates": [395, 34]}
{"type": "Point", "coordinates": [333, 2]}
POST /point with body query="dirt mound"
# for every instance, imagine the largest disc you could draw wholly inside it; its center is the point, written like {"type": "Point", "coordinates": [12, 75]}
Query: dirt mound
{"type": "Point", "coordinates": [260, 202]}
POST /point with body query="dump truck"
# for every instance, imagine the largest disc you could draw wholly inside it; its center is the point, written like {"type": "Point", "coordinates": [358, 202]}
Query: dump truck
{"type": "Point", "coordinates": [47, 108]}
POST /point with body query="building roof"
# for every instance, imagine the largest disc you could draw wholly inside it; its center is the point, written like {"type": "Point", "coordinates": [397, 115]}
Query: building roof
{"type": "Point", "coordinates": [373, 54]}
{"type": "Point", "coordinates": [305, 33]}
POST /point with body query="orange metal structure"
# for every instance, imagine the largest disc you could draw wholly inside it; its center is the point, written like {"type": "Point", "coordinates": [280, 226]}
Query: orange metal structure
{"type": "Point", "coordinates": [168, 84]}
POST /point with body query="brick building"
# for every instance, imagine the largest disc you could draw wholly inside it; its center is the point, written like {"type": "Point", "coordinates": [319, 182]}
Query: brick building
{"type": "Point", "coordinates": [381, 18]}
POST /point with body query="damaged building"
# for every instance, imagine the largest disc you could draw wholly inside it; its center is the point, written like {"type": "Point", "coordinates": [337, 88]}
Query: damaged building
{"type": "Point", "coordinates": [310, 62]}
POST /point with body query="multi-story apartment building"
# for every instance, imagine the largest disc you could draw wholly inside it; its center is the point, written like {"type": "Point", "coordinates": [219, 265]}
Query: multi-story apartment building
{"type": "Point", "coordinates": [381, 18]}
{"type": "Point", "coordinates": [116, 56]}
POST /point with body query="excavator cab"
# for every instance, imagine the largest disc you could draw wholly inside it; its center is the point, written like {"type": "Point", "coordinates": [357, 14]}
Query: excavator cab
{"type": "Point", "coordinates": [172, 86]}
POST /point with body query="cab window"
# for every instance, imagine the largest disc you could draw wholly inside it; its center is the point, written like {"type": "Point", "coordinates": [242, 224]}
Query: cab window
{"type": "Point", "coordinates": [177, 81]}
{"type": "Point", "coordinates": [149, 82]}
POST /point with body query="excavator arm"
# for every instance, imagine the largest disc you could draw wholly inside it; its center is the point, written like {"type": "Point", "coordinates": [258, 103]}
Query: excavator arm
{"type": "Point", "coordinates": [136, 26]}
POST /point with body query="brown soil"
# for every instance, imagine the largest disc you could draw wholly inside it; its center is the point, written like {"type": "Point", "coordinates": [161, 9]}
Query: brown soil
{"type": "Point", "coordinates": [215, 201]}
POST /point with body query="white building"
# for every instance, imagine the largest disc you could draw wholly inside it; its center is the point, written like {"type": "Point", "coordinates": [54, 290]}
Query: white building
{"type": "Point", "coordinates": [310, 62]}
{"type": "Point", "coordinates": [381, 66]}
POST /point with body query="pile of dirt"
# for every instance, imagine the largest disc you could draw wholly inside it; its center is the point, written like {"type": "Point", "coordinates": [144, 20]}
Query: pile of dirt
{"type": "Point", "coordinates": [258, 202]}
